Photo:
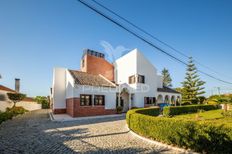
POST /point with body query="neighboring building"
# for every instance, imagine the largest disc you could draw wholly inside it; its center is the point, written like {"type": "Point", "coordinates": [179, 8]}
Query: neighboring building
{"type": "Point", "coordinates": [95, 90]}
{"type": "Point", "coordinates": [28, 103]}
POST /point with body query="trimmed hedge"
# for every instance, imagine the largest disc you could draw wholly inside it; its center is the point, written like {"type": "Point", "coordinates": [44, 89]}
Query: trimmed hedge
{"type": "Point", "coordinates": [204, 136]}
{"type": "Point", "coordinates": [145, 111]}
{"type": "Point", "coordinates": [177, 110]}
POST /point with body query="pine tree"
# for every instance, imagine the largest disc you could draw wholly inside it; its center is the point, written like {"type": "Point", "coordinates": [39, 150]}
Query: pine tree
{"type": "Point", "coordinates": [167, 80]}
{"type": "Point", "coordinates": [192, 86]}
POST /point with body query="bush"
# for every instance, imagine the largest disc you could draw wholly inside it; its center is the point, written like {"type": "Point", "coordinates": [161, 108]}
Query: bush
{"type": "Point", "coordinates": [5, 116]}
{"type": "Point", "coordinates": [177, 110]}
{"type": "Point", "coordinates": [119, 109]}
{"type": "Point", "coordinates": [16, 110]}
{"type": "Point", "coordinates": [43, 101]}
{"type": "Point", "coordinates": [11, 112]}
{"type": "Point", "coordinates": [145, 111]}
{"type": "Point", "coordinates": [205, 137]}
{"type": "Point", "coordinates": [227, 114]}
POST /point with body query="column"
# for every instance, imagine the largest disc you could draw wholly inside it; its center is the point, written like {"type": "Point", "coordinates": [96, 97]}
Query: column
{"type": "Point", "coordinates": [129, 101]}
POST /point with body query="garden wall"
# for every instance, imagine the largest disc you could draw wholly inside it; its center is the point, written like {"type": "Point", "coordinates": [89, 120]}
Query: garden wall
{"type": "Point", "coordinates": [30, 106]}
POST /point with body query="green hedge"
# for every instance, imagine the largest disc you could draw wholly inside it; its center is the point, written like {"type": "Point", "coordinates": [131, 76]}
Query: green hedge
{"type": "Point", "coordinates": [177, 110]}
{"type": "Point", "coordinates": [205, 137]}
{"type": "Point", "coordinates": [145, 111]}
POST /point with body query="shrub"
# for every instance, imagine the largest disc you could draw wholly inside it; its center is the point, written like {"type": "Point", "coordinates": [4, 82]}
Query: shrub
{"type": "Point", "coordinates": [177, 110]}
{"type": "Point", "coordinates": [145, 111]}
{"type": "Point", "coordinates": [5, 116]}
{"type": "Point", "coordinates": [186, 103]}
{"type": "Point", "coordinates": [43, 101]}
{"type": "Point", "coordinates": [119, 109]}
{"type": "Point", "coordinates": [134, 107]}
{"type": "Point", "coordinates": [16, 97]}
{"type": "Point", "coordinates": [227, 114]}
{"type": "Point", "coordinates": [205, 137]}
{"type": "Point", "coordinates": [11, 112]}
{"type": "Point", "coordinates": [17, 110]}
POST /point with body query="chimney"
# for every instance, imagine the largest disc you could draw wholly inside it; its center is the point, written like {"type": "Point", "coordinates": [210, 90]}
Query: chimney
{"type": "Point", "coordinates": [17, 85]}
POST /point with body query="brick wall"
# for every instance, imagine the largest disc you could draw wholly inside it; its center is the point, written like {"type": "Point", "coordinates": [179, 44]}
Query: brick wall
{"type": "Point", "coordinates": [97, 65]}
{"type": "Point", "coordinates": [59, 111]}
{"type": "Point", "coordinates": [75, 110]}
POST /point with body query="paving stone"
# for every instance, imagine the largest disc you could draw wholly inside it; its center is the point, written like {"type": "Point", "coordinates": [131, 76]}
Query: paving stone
{"type": "Point", "coordinates": [34, 133]}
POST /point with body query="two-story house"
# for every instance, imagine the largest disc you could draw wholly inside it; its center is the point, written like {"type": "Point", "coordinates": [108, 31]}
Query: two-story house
{"type": "Point", "coordinates": [99, 86]}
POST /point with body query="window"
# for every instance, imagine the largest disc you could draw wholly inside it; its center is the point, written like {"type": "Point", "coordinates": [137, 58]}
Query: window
{"type": "Point", "coordinates": [99, 100]}
{"type": "Point", "coordinates": [136, 79]}
{"type": "Point", "coordinates": [132, 79]}
{"type": "Point", "coordinates": [141, 79]}
{"type": "Point", "coordinates": [86, 100]}
{"type": "Point", "coordinates": [149, 100]}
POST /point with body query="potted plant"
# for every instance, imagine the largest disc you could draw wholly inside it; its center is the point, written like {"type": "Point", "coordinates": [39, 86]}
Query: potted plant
{"type": "Point", "coordinates": [119, 109]}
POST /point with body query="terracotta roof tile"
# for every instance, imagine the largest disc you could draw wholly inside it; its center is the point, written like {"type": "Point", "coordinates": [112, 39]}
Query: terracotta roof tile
{"type": "Point", "coordinates": [167, 89]}
{"type": "Point", "coordinates": [6, 89]}
{"type": "Point", "coordinates": [84, 78]}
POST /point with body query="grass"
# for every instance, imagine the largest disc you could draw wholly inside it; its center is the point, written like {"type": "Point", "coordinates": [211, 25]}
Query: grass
{"type": "Point", "coordinates": [205, 115]}
{"type": "Point", "coordinates": [213, 116]}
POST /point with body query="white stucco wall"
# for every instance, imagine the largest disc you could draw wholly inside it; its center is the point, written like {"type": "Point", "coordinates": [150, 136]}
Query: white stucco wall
{"type": "Point", "coordinates": [30, 106]}
{"type": "Point", "coordinates": [125, 67]}
{"type": "Point", "coordinates": [69, 85]}
{"type": "Point", "coordinates": [110, 94]}
{"type": "Point", "coordinates": [136, 63]}
{"type": "Point", "coordinates": [59, 88]}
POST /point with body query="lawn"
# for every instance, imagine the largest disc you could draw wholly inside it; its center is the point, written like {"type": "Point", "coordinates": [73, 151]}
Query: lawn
{"type": "Point", "coordinates": [215, 116]}
{"type": "Point", "coordinates": [205, 115]}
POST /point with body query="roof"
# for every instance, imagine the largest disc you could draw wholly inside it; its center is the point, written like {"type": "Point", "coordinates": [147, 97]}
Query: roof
{"type": "Point", "coordinates": [6, 89]}
{"type": "Point", "coordinates": [28, 99]}
{"type": "Point", "coordinates": [167, 90]}
{"type": "Point", "coordinates": [83, 78]}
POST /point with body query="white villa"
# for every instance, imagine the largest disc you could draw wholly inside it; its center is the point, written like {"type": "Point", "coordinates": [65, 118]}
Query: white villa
{"type": "Point", "coordinates": [99, 86]}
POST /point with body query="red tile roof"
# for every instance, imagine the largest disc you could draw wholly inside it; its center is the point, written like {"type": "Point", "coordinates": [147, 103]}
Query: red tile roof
{"type": "Point", "coordinates": [27, 99]}
{"type": "Point", "coordinates": [83, 78]}
{"type": "Point", "coordinates": [6, 89]}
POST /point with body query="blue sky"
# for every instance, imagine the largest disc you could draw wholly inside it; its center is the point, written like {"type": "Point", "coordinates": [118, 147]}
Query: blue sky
{"type": "Point", "coordinates": [36, 36]}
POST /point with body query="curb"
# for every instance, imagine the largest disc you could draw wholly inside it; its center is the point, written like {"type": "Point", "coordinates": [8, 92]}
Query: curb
{"type": "Point", "coordinates": [161, 144]}
{"type": "Point", "coordinates": [51, 116]}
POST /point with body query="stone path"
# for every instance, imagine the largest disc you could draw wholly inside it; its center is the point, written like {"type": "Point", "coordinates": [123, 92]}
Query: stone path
{"type": "Point", "coordinates": [35, 133]}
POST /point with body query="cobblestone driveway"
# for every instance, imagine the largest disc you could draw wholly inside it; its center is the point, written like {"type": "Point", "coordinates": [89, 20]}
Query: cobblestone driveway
{"type": "Point", "coordinates": [35, 133]}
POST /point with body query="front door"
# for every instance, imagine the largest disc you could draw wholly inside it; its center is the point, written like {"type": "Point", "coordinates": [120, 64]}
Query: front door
{"type": "Point", "coordinates": [125, 98]}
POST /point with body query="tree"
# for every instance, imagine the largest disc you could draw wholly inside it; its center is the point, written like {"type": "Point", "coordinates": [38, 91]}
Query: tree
{"type": "Point", "coordinates": [192, 85]}
{"type": "Point", "coordinates": [43, 101]}
{"type": "Point", "coordinates": [16, 97]}
{"type": "Point", "coordinates": [222, 99]}
{"type": "Point", "coordinates": [167, 80]}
